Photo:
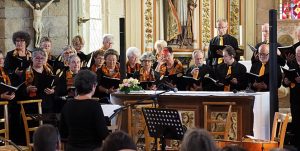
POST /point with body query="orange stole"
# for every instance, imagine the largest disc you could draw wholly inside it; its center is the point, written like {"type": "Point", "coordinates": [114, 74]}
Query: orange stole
{"type": "Point", "coordinates": [69, 79]}
{"type": "Point", "coordinates": [115, 75]}
{"type": "Point", "coordinates": [176, 68]}
{"type": "Point", "coordinates": [227, 87]}
{"type": "Point", "coordinates": [5, 77]}
{"type": "Point", "coordinates": [136, 67]}
{"type": "Point", "coordinates": [145, 77]}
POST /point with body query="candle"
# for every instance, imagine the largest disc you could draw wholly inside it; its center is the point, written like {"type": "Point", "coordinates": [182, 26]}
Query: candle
{"type": "Point", "coordinates": [241, 34]}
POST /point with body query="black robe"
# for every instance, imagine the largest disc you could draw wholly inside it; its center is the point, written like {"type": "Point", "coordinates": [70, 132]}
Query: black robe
{"type": "Point", "coordinates": [238, 71]}
{"type": "Point", "coordinates": [295, 105]}
{"type": "Point", "coordinates": [227, 40]}
{"type": "Point", "coordinates": [11, 63]}
{"type": "Point", "coordinates": [255, 68]}
{"type": "Point", "coordinates": [203, 71]}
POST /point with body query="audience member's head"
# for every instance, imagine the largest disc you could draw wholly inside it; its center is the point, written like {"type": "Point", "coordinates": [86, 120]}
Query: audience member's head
{"type": "Point", "coordinates": [118, 141]}
{"type": "Point", "coordinates": [197, 139]}
{"type": "Point", "coordinates": [46, 138]}
{"type": "Point", "coordinates": [233, 148]}
{"type": "Point", "coordinates": [85, 82]}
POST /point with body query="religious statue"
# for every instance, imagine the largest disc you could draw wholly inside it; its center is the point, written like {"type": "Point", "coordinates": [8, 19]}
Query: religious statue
{"type": "Point", "coordinates": [180, 22]}
{"type": "Point", "coordinates": [37, 20]}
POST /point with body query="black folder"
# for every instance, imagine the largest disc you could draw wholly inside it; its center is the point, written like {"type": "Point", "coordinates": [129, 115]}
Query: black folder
{"type": "Point", "coordinates": [8, 88]}
{"type": "Point", "coordinates": [146, 84]}
{"type": "Point", "coordinates": [216, 82]}
{"type": "Point", "coordinates": [289, 49]}
{"type": "Point", "coordinates": [291, 74]}
{"type": "Point", "coordinates": [187, 80]}
{"type": "Point", "coordinates": [213, 50]}
{"type": "Point", "coordinates": [109, 82]}
{"type": "Point", "coordinates": [50, 79]}
{"type": "Point", "coordinates": [174, 78]}
{"type": "Point", "coordinates": [255, 77]}
{"type": "Point", "coordinates": [252, 48]}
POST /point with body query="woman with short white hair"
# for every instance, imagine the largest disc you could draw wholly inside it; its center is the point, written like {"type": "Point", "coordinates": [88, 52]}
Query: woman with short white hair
{"type": "Point", "coordinates": [158, 47]}
{"type": "Point", "coordinates": [132, 64]}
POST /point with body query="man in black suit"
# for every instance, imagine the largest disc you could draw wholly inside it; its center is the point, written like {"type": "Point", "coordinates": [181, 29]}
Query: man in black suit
{"type": "Point", "coordinates": [221, 39]}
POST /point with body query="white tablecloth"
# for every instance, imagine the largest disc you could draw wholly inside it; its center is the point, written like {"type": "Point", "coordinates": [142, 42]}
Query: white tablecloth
{"type": "Point", "coordinates": [261, 109]}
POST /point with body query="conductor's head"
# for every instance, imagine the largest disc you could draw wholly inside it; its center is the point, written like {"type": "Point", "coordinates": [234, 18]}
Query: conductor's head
{"type": "Point", "coordinates": [85, 82]}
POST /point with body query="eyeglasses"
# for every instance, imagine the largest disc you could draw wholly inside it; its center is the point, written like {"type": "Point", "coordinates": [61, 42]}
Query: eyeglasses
{"type": "Point", "coordinates": [20, 40]}
{"type": "Point", "coordinates": [39, 58]}
{"type": "Point", "coordinates": [221, 27]}
{"type": "Point", "coordinates": [263, 54]}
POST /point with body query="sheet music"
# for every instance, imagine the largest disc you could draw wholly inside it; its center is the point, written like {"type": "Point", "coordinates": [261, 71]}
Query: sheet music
{"type": "Point", "coordinates": [108, 109]}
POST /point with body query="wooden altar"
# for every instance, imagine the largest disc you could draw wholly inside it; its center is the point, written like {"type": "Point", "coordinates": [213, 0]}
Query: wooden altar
{"type": "Point", "coordinates": [191, 109]}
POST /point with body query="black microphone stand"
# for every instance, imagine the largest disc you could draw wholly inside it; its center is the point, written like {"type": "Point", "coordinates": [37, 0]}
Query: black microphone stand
{"type": "Point", "coordinates": [11, 142]}
{"type": "Point", "coordinates": [153, 97]}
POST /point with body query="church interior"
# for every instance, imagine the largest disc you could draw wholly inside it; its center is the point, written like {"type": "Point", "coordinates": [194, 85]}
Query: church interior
{"type": "Point", "coordinates": [178, 29]}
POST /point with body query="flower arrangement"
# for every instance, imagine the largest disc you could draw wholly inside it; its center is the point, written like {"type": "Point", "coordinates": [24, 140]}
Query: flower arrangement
{"type": "Point", "coordinates": [130, 85]}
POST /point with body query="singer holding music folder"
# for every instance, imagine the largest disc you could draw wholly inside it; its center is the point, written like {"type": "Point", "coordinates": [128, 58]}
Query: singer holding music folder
{"type": "Point", "coordinates": [82, 119]}
{"type": "Point", "coordinates": [261, 68]}
{"type": "Point", "coordinates": [197, 70]}
{"type": "Point", "coordinates": [231, 73]}
{"type": "Point", "coordinates": [221, 39]}
{"type": "Point", "coordinates": [39, 81]}
{"type": "Point", "coordinates": [169, 67]}
{"type": "Point", "coordinates": [4, 78]}
{"type": "Point", "coordinates": [17, 60]}
{"type": "Point", "coordinates": [65, 84]}
{"type": "Point", "coordinates": [293, 82]}
{"type": "Point", "coordinates": [108, 76]}
{"type": "Point", "coordinates": [146, 75]}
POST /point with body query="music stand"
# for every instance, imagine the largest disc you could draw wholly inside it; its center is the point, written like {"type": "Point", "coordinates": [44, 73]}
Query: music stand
{"type": "Point", "coordinates": [163, 123]}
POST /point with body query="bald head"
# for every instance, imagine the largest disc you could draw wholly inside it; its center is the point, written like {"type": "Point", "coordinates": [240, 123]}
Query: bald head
{"type": "Point", "coordinates": [263, 52]}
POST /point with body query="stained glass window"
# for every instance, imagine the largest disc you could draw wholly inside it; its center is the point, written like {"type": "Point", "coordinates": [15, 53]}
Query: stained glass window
{"type": "Point", "coordinates": [289, 9]}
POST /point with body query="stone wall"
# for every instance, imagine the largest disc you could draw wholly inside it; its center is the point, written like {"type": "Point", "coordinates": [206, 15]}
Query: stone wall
{"type": "Point", "coordinates": [16, 15]}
